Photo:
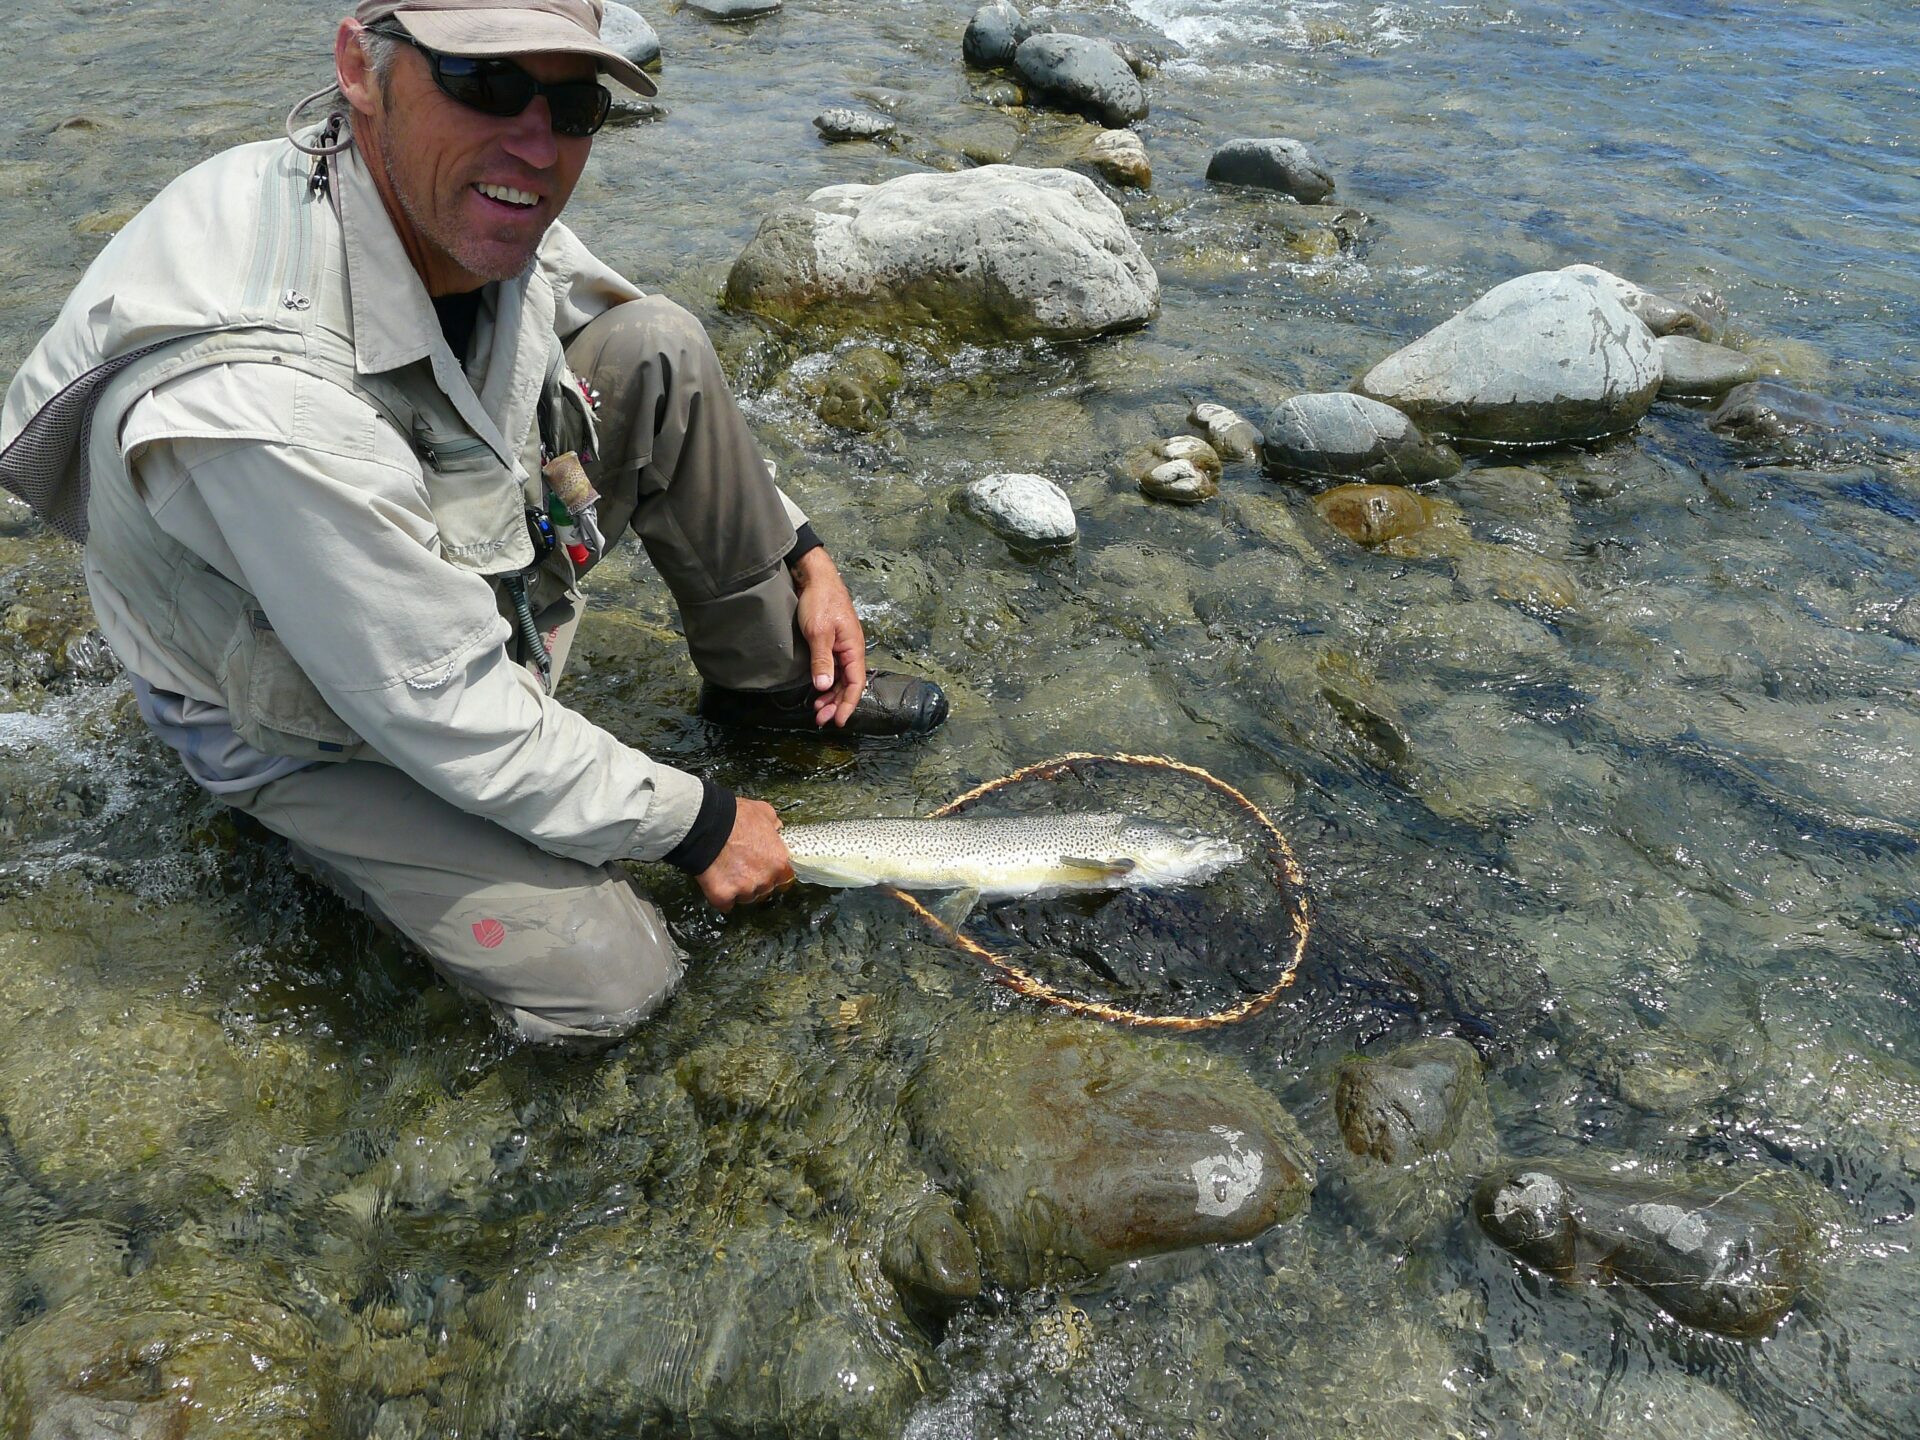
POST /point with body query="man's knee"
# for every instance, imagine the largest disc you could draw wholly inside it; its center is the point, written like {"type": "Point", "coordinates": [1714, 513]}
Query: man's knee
{"type": "Point", "coordinates": [588, 971]}
{"type": "Point", "coordinates": [651, 335]}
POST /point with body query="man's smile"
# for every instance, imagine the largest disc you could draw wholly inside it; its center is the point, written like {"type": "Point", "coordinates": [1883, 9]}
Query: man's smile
{"type": "Point", "coordinates": [507, 195]}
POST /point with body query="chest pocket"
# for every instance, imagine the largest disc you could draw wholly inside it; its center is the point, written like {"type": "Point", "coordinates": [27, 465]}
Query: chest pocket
{"type": "Point", "coordinates": [478, 503]}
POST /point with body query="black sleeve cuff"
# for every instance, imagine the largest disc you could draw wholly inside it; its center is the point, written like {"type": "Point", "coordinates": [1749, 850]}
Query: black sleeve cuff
{"type": "Point", "coordinates": [804, 539]}
{"type": "Point", "coordinates": [711, 829]}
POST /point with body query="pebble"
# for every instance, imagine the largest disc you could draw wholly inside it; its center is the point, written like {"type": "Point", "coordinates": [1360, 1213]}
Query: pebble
{"type": "Point", "coordinates": [1274, 164]}
{"type": "Point", "coordinates": [843, 122]}
{"type": "Point", "coordinates": [1350, 437]}
{"type": "Point", "coordinates": [993, 34]}
{"type": "Point", "coordinates": [1029, 508]}
{"type": "Point", "coordinates": [1694, 370]}
{"type": "Point", "coordinates": [1232, 435]}
{"type": "Point", "coordinates": [1121, 156]}
{"type": "Point", "coordinates": [1083, 75]}
{"type": "Point", "coordinates": [1180, 481]}
{"type": "Point", "coordinates": [731, 10]}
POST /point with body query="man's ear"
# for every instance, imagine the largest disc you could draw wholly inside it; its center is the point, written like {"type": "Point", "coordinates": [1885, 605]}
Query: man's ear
{"type": "Point", "coordinates": [353, 71]}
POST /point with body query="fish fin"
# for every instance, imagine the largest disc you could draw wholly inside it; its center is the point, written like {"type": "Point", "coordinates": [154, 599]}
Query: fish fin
{"type": "Point", "coordinates": [1112, 868]}
{"type": "Point", "coordinates": [952, 910]}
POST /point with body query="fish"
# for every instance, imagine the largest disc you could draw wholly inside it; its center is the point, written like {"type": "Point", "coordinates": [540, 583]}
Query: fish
{"type": "Point", "coordinates": [1003, 856]}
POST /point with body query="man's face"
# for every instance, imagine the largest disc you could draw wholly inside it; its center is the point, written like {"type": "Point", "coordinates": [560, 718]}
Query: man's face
{"type": "Point", "coordinates": [470, 194]}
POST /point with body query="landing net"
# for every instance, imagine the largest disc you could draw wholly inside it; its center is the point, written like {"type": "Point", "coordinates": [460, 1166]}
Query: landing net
{"type": "Point", "coordinates": [1183, 959]}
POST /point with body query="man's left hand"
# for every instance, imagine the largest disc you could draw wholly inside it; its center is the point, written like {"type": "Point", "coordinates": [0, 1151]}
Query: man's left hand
{"type": "Point", "coordinates": [836, 643]}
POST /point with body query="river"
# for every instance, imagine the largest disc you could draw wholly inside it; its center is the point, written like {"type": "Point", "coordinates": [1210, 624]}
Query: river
{"type": "Point", "coordinates": [1633, 809]}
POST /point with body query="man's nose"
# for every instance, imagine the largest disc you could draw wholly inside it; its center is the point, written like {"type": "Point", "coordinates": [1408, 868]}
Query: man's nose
{"type": "Point", "coordinates": [530, 136]}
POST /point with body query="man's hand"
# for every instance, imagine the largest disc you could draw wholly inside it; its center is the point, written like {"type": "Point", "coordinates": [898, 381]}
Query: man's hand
{"type": "Point", "coordinates": [753, 864]}
{"type": "Point", "coordinates": [833, 636]}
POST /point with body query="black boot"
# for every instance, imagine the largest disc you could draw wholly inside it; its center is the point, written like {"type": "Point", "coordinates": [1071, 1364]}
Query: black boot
{"type": "Point", "coordinates": [891, 704]}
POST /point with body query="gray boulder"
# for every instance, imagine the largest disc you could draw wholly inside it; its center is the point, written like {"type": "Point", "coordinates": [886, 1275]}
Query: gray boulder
{"type": "Point", "coordinates": [843, 122]}
{"type": "Point", "coordinates": [993, 34]}
{"type": "Point", "coordinates": [996, 253]}
{"type": "Point", "coordinates": [1276, 164]}
{"type": "Point", "coordinates": [1694, 370]}
{"type": "Point", "coordinates": [1349, 437]}
{"type": "Point", "coordinates": [1698, 317]}
{"type": "Point", "coordinates": [1728, 1251]}
{"type": "Point", "coordinates": [1027, 508]}
{"type": "Point", "coordinates": [1071, 72]}
{"type": "Point", "coordinates": [1544, 359]}
{"type": "Point", "coordinates": [627, 30]}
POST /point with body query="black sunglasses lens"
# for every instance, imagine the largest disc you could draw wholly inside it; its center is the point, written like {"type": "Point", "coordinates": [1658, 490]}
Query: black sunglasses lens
{"type": "Point", "coordinates": [489, 86]}
{"type": "Point", "coordinates": [499, 87]}
{"type": "Point", "coordinates": [579, 108]}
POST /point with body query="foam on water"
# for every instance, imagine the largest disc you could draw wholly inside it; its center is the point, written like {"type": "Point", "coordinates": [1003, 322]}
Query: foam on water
{"type": "Point", "coordinates": [1207, 27]}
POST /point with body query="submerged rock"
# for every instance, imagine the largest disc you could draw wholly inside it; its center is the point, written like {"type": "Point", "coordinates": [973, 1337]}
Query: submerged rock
{"type": "Point", "coordinates": [1232, 436]}
{"type": "Point", "coordinates": [1375, 514]}
{"type": "Point", "coordinates": [627, 31]}
{"type": "Point", "coordinates": [1121, 156]}
{"type": "Point", "coordinates": [1543, 359]}
{"type": "Point", "coordinates": [1695, 370]}
{"type": "Point", "coordinates": [993, 34]}
{"type": "Point", "coordinates": [1029, 508]}
{"type": "Point", "coordinates": [1093, 1146]}
{"type": "Point", "coordinates": [192, 1348]}
{"type": "Point", "coordinates": [107, 1104]}
{"type": "Point", "coordinates": [769, 1330]}
{"type": "Point", "coordinates": [857, 392]}
{"type": "Point", "coordinates": [1274, 164]}
{"type": "Point", "coordinates": [843, 122]}
{"type": "Point", "coordinates": [1763, 410]}
{"type": "Point", "coordinates": [1072, 72]}
{"type": "Point", "coordinates": [1728, 1251]}
{"type": "Point", "coordinates": [1417, 1130]}
{"type": "Point", "coordinates": [1349, 437]}
{"type": "Point", "coordinates": [1699, 318]}
{"type": "Point", "coordinates": [996, 253]}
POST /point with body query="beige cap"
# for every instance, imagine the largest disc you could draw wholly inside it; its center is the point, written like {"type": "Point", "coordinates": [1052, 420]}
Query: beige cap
{"type": "Point", "coordinates": [490, 29]}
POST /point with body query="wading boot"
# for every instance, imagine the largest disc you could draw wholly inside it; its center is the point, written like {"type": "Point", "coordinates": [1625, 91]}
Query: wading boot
{"type": "Point", "coordinates": [892, 704]}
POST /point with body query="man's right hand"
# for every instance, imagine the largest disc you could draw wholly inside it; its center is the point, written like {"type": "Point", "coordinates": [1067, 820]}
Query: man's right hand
{"type": "Point", "coordinates": [754, 864]}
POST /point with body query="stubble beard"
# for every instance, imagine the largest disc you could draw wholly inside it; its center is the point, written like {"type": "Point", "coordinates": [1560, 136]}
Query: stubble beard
{"type": "Point", "coordinates": [469, 252]}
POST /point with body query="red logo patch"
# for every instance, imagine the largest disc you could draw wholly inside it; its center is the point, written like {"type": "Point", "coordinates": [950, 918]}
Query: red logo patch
{"type": "Point", "coordinates": [489, 933]}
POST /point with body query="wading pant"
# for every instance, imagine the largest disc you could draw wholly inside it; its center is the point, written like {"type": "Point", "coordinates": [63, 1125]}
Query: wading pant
{"type": "Point", "coordinates": [565, 951]}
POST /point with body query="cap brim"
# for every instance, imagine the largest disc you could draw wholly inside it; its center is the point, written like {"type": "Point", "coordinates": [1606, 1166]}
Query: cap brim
{"type": "Point", "coordinates": [494, 34]}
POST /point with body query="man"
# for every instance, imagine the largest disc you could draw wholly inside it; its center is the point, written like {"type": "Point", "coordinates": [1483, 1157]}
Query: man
{"type": "Point", "coordinates": [317, 413]}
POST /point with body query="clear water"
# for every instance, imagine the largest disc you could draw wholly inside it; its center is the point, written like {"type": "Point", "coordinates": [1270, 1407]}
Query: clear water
{"type": "Point", "coordinates": [1673, 818]}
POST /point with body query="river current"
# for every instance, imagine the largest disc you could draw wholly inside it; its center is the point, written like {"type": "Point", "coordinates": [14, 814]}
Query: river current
{"type": "Point", "coordinates": [1636, 809]}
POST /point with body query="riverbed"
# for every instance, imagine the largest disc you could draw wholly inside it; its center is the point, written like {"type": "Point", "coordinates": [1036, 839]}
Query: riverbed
{"type": "Point", "coordinates": [1630, 804]}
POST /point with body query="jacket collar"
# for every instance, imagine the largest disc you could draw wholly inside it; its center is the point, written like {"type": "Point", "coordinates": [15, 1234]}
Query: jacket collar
{"type": "Point", "coordinates": [394, 323]}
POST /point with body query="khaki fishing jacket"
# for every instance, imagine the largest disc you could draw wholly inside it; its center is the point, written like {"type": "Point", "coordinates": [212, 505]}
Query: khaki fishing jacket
{"type": "Point", "coordinates": [297, 504]}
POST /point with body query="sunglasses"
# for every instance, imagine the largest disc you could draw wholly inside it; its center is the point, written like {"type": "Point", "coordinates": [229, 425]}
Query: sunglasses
{"type": "Point", "coordinates": [501, 88]}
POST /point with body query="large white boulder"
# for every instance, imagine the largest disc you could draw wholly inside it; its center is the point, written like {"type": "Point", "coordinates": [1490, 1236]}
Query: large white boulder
{"type": "Point", "coordinates": [996, 253]}
{"type": "Point", "coordinates": [1545, 358]}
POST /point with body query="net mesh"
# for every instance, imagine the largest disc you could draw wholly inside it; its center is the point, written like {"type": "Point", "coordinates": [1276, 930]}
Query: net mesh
{"type": "Point", "coordinates": [1184, 958]}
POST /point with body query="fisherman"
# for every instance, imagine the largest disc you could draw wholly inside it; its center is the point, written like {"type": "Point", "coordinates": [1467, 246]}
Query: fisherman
{"type": "Point", "coordinates": [344, 421]}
